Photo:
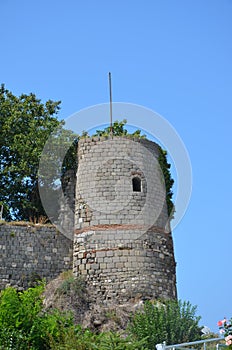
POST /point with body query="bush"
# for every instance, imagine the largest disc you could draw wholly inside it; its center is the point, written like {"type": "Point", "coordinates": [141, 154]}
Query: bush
{"type": "Point", "coordinates": [77, 338]}
{"type": "Point", "coordinates": [23, 323]}
{"type": "Point", "coordinates": [12, 339]}
{"type": "Point", "coordinates": [170, 321]}
{"type": "Point", "coordinates": [72, 285]}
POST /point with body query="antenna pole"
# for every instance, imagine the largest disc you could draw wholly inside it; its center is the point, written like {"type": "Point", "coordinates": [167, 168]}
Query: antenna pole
{"type": "Point", "coordinates": [111, 110]}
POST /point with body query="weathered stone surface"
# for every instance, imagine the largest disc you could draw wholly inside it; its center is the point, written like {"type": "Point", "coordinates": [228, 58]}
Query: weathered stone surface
{"type": "Point", "coordinates": [31, 252]}
{"type": "Point", "coordinates": [124, 247]}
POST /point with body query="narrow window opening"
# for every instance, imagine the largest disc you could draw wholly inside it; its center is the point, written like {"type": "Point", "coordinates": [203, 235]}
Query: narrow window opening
{"type": "Point", "coordinates": [136, 184]}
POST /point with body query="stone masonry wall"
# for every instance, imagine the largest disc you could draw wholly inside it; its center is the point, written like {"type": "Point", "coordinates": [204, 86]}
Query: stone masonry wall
{"type": "Point", "coordinates": [104, 183]}
{"type": "Point", "coordinates": [142, 268]}
{"type": "Point", "coordinates": [122, 242]}
{"type": "Point", "coordinates": [31, 252]}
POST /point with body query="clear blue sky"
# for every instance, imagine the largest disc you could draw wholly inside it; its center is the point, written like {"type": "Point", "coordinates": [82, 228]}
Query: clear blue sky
{"type": "Point", "coordinates": [174, 57]}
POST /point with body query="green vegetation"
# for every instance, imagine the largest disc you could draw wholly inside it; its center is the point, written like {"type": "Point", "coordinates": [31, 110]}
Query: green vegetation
{"type": "Point", "coordinates": [24, 324]}
{"type": "Point", "coordinates": [76, 338]}
{"type": "Point", "coordinates": [25, 124]}
{"type": "Point", "coordinates": [71, 286]}
{"type": "Point", "coordinates": [165, 168]}
{"type": "Point", "coordinates": [118, 129]}
{"type": "Point", "coordinates": [170, 321]}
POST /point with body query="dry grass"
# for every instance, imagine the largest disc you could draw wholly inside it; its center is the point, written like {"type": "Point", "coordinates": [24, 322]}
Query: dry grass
{"type": "Point", "coordinates": [24, 223]}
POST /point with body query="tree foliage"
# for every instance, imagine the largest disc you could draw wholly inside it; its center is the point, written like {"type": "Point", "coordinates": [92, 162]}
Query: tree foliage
{"type": "Point", "coordinates": [25, 124]}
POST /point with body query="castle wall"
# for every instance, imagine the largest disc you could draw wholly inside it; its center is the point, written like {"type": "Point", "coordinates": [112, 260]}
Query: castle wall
{"type": "Point", "coordinates": [31, 252]}
{"type": "Point", "coordinates": [122, 242]}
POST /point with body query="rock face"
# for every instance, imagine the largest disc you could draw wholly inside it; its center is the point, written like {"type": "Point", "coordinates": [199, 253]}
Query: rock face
{"type": "Point", "coordinates": [122, 241]}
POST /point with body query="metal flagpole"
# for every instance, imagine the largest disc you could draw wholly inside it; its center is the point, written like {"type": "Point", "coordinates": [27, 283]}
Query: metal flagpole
{"type": "Point", "coordinates": [111, 110]}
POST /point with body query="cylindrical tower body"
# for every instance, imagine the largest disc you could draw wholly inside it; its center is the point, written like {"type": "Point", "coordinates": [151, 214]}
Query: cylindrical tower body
{"type": "Point", "coordinates": [122, 242]}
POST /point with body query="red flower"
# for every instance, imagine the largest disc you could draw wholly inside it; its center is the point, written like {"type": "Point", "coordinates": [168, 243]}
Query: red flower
{"type": "Point", "coordinates": [220, 323]}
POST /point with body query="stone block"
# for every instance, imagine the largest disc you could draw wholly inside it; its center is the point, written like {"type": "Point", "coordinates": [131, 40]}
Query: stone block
{"type": "Point", "coordinates": [119, 265]}
{"type": "Point", "coordinates": [100, 254]}
{"type": "Point", "coordinates": [110, 253]}
{"type": "Point", "coordinates": [103, 266]}
{"type": "Point", "coordinates": [95, 266]}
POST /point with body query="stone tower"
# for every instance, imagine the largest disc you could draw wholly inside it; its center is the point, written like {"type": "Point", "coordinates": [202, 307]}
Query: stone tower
{"type": "Point", "coordinates": [122, 241]}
